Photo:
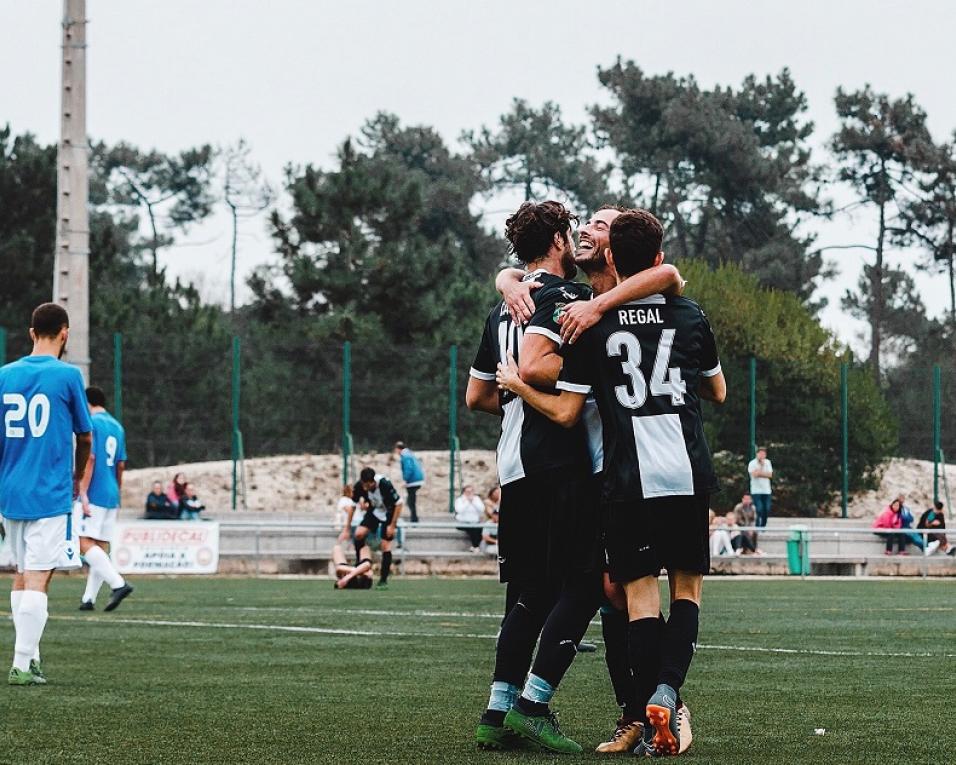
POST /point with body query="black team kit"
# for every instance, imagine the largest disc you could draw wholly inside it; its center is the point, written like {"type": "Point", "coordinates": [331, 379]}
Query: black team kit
{"type": "Point", "coordinates": [548, 533]}
{"type": "Point", "coordinates": [643, 362]}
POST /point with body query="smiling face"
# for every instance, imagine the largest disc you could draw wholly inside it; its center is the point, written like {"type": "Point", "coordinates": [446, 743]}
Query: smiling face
{"type": "Point", "coordinates": [594, 239]}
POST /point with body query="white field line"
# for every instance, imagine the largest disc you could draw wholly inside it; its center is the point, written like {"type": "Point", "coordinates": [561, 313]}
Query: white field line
{"type": "Point", "coordinates": [474, 636]}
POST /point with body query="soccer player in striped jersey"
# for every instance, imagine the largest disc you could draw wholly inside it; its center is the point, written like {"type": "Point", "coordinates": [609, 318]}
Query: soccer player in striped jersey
{"type": "Point", "coordinates": [649, 364]}
{"type": "Point", "coordinates": [43, 406]}
{"type": "Point", "coordinates": [98, 504]}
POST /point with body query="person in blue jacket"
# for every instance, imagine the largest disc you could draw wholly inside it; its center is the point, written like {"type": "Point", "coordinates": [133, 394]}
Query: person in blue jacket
{"type": "Point", "coordinates": [412, 475]}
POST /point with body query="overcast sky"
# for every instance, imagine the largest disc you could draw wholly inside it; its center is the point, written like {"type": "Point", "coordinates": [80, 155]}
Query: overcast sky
{"type": "Point", "coordinates": [294, 77]}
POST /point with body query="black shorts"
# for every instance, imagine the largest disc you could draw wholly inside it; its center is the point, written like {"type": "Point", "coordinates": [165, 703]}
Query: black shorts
{"type": "Point", "coordinates": [372, 522]}
{"type": "Point", "coordinates": [644, 536]}
{"type": "Point", "coordinates": [549, 527]}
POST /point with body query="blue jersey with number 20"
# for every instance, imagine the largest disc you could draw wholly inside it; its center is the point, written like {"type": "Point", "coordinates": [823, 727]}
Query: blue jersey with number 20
{"type": "Point", "coordinates": [109, 447]}
{"type": "Point", "coordinates": [42, 403]}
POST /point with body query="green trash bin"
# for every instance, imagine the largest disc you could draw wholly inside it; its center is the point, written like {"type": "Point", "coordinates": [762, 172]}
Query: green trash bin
{"type": "Point", "coordinates": [798, 551]}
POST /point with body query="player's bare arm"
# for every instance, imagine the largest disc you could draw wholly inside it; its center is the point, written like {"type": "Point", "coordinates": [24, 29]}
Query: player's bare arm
{"type": "Point", "coordinates": [482, 396]}
{"type": "Point", "coordinates": [564, 408]}
{"type": "Point", "coordinates": [663, 279]}
{"type": "Point", "coordinates": [85, 485]}
{"type": "Point", "coordinates": [120, 469]}
{"type": "Point", "coordinates": [714, 388]}
{"type": "Point", "coordinates": [81, 458]}
{"type": "Point", "coordinates": [395, 514]}
{"type": "Point", "coordinates": [517, 294]}
{"type": "Point", "coordinates": [540, 362]}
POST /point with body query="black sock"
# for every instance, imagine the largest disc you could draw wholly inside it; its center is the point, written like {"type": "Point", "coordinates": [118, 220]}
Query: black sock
{"type": "Point", "coordinates": [663, 626]}
{"type": "Point", "coordinates": [359, 544]}
{"type": "Point", "coordinates": [519, 633]}
{"type": "Point", "coordinates": [494, 717]}
{"type": "Point", "coordinates": [386, 565]}
{"type": "Point", "coordinates": [680, 640]}
{"type": "Point", "coordinates": [614, 628]}
{"type": "Point", "coordinates": [564, 628]}
{"type": "Point", "coordinates": [644, 650]}
{"type": "Point", "coordinates": [533, 708]}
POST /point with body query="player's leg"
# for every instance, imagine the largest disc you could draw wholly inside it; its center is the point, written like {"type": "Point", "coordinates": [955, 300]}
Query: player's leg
{"type": "Point", "coordinates": [386, 549]}
{"type": "Point", "coordinates": [99, 527]}
{"type": "Point", "coordinates": [30, 621]}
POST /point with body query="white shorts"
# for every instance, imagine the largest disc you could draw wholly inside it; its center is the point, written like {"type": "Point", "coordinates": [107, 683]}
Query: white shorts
{"type": "Point", "coordinates": [44, 544]}
{"type": "Point", "coordinates": [99, 526]}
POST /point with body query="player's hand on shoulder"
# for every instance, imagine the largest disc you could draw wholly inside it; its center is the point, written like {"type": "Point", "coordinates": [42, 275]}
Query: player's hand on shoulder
{"type": "Point", "coordinates": [518, 300]}
{"type": "Point", "coordinates": [576, 317]}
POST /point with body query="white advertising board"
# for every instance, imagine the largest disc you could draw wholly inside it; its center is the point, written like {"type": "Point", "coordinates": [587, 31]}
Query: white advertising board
{"type": "Point", "coordinates": [166, 547]}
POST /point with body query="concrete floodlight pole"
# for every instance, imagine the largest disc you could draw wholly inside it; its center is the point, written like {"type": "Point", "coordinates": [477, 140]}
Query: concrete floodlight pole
{"type": "Point", "coordinates": [71, 263]}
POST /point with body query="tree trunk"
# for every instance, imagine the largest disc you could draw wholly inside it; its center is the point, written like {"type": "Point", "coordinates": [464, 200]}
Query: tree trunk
{"type": "Point", "coordinates": [155, 245]}
{"type": "Point", "coordinates": [657, 189]}
{"type": "Point", "coordinates": [952, 281]}
{"type": "Point", "coordinates": [876, 298]}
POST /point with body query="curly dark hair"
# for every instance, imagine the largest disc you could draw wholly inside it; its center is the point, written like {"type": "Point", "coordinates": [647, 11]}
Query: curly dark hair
{"type": "Point", "coordinates": [530, 231]}
{"type": "Point", "coordinates": [635, 237]}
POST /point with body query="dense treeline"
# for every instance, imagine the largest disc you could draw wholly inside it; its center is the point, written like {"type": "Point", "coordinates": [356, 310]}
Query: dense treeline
{"type": "Point", "coordinates": [389, 248]}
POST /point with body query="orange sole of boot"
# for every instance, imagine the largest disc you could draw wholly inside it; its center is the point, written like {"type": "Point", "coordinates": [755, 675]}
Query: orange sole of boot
{"type": "Point", "coordinates": [664, 741]}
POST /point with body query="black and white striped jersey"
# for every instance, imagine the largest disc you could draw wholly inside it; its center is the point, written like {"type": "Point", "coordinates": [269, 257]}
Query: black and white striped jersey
{"type": "Point", "coordinates": [643, 362]}
{"type": "Point", "coordinates": [529, 441]}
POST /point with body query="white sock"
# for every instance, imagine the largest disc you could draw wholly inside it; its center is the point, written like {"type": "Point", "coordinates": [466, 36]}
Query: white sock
{"type": "Point", "coordinates": [93, 582]}
{"type": "Point", "coordinates": [15, 597]}
{"type": "Point", "coordinates": [31, 619]}
{"type": "Point", "coordinates": [101, 565]}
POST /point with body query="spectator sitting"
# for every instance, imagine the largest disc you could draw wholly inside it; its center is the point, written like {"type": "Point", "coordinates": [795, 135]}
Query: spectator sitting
{"type": "Point", "coordinates": [935, 518]}
{"type": "Point", "coordinates": [907, 519]}
{"type": "Point", "coordinates": [493, 502]}
{"type": "Point", "coordinates": [742, 544]}
{"type": "Point", "coordinates": [720, 543]}
{"type": "Point", "coordinates": [176, 489]}
{"type": "Point", "coordinates": [158, 506]}
{"type": "Point", "coordinates": [489, 535]}
{"type": "Point", "coordinates": [890, 519]}
{"type": "Point", "coordinates": [469, 510]}
{"type": "Point", "coordinates": [189, 506]}
{"type": "Point", "coordinates": [745, 514]}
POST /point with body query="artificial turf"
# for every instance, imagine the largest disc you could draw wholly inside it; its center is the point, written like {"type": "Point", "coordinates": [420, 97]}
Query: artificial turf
{"type": "Point", "coordinates": [410, 687]}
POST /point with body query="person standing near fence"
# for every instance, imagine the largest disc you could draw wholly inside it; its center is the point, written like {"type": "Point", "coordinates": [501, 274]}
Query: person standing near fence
{"type": "Point", "coordinates": [98, 504]}
{"type": "Point", "coordinates": [761, 471]}
{"type": "Point", "coordinates": [44, 407]}
{"type": "Point", "coordinates": [413, 476]}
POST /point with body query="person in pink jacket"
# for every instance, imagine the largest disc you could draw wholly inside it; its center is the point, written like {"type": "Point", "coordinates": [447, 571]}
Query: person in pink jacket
{"type": "Point", "coordinates": [891, 518]}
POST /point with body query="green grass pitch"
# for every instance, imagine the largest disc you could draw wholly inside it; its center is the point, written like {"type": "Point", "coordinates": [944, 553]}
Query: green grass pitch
{"type": "Point", "coordinates": [197, 670]}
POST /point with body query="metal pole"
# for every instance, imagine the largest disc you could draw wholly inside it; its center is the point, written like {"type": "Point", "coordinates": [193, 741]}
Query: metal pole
{"type": "Point", "coordinates": [845, 434]}
{"type": "Point", "coordinates": [753, 407]}
{"type": "Point", "coordinates": [3, 346]}
{"type": "Point", "coordinates": [235, 417]}
{"type": "Point", "coordinates": [452, 422]}
{"type": "Point", "coordinates": [72, 251]}
{"type": "Point", "coordinates": [118, 375]}
{"type": "Point", "coordinates": [937, 428]}
{"type": "Point", "coordinates": [346, 407]}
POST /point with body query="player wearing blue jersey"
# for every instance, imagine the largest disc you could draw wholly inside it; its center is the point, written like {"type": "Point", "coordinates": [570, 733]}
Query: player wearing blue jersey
{"type": "Point", "coordinates": [98, 504]}
{"type": "Point", "coordinates": [43, 405]}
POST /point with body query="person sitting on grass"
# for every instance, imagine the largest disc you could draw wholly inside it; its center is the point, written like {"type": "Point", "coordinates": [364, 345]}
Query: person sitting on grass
{"type": "Point", "coordinates": [357, 577]}
{"type": "Point", "coordinates": [888, 524]}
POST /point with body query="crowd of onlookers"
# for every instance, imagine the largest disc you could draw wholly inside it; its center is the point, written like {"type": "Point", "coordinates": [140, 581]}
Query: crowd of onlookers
{"type": "Point", "coordinates": [178, 502]}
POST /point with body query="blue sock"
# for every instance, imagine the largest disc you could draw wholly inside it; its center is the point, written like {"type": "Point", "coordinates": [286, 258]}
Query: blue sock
{"type": "Point", "coordinates": [503, 696]}
{"type": "Point", "coordinates": [537, 690]}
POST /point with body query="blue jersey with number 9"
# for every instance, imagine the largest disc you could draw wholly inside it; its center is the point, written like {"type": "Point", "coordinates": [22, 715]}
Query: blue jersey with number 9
{"type": "Point", "coordinates": [109, 448]}
{"type": "Point", "coordinates": [42, 404]}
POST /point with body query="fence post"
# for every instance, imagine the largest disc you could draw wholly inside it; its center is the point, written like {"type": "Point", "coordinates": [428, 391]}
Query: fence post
{"type": "Point", "coordinates": [346, 408]}
{"type": "Point", "coordinates": [937, 428]}
{"type": "Point", "coordinates": [235, 417]}
{"type": "Point", "coordinates": [3, 346]}
{"type": "Point", "coordinates": [845, 434]}
{"type": "Point", "coordinates": [753, 407]}
{"type": "Point", "coordinates": [452, 422]}
{"type": "Point", "coordinates": [118, 375]}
